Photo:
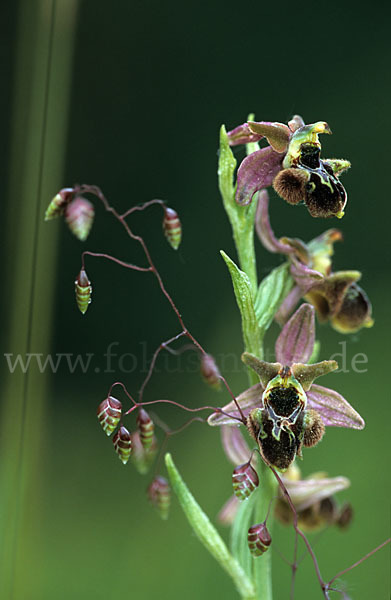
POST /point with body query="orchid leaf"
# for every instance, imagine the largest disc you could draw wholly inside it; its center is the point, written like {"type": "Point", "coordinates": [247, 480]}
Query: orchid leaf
{"type": "Point", "coordinates": [207, 533]}
{"type": "Point", "coordinates": [271, 293]}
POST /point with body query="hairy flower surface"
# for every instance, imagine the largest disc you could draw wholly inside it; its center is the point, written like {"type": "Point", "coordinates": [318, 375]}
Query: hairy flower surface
{"type": "Point", "coordinates": [286, 410]}
{"type": "Point", "coordinates": [335, 295]}
{"type": "Point", "coordinates": [292, 164]}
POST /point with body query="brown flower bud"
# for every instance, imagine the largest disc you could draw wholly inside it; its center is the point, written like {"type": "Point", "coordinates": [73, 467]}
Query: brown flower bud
{"type": "Point", "coordinates": [79, 215]}
{"type": "Point", "coordinates": [258, 539]}
{"type": "Point", "coordinates": [172, 227]}
{"type": "Point", "coordinates": [210, 371]}
{"type": "Point", "coordinates": [244, 481]}
{"type": "Point", "coordinates": [160, 495]}
{"type": "Point", "coordinates": [146, 428]}
{"type": "Point", "coordinates": [109, 414]}
{"type": "Point", "coordinates": [83, 291]}
{"type": "Point", "coordinates": [345, 516]}
{"type": "Point", "coordinates": [122, 444]}
{"type": "Point", "coordinates": [58, 203]}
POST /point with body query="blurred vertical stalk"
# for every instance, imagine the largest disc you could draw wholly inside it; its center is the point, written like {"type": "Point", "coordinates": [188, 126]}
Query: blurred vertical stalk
{"type": "Point", "coordinates": [45, 40]}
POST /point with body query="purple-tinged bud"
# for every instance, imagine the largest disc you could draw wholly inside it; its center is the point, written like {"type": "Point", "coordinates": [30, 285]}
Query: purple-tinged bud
{"type": "Point", "coordinates": [172, 227]}
{"type": "Point", "coordinates": [141, 458]}
{"type": "Point", "coordinates": [244, 481]}
{"type": "Point", "coordinates": [123, 444]}
{"type": "Point", "coordinates": [210, 371]}
{"type": "Point", "coordinates": [83, 291]}
{"type": "Point", "coordinates": [109, 414]}
{"type": "Point", "coordinates": [159, 494]}
{"type": "Point", "coordinates": [258, 539]}
{"type": "Point", "coordinates": [146, 428]}
{"type": "Point", "coordinates": [58, 203]}
{"type": "Point", "coordinates": [79, 215]}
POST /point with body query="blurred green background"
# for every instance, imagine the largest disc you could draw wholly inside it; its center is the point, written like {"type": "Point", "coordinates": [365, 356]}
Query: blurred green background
{"type": "Point", "coordinates": [130, 97]}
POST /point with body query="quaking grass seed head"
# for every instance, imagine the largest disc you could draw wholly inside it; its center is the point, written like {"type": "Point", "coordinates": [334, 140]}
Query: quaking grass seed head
{"type": "Point", "coordinates": [109, 414]}
{"type": "Point", "coordinates": [258, 539]}
{"type": "Point", "coordinates": [159, 493]}
{"type": "Point", "coordinates": [244, 481]}
{"type": "Point", "coordinates": [123, 444]}
{"type": "Point", "coordinates": [172, 227]}
{"type": "Point", "coordinates": [146, 428]}
{"type": "Point", "coordinates": [83, 291]}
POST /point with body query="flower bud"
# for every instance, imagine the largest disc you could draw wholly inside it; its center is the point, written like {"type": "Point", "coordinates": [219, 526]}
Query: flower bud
{"type": "Point", "coordinates": [142, 458]}
{"type": "Point", "coordinates": [58, 203]}
{"type": "Point", "coordinates": [146, 428]}
{"type": "Point", "coordinates": [109, 414]}
{"type": "Point", "coordinates": [172, 227]}
{"type": "Point", "coordinates": [122, 444]}
{"type": "Point", "coordinates": [258, 539]}
{"type": "Point", "coordinates": [159, 494]}
{"type": "Point", "coordinates": [83, 291]}
{"type": "Point", "coordinates": [210, 371]}
{"type": "Point", "coordinates": [244, 481]}
{"type": "Point", "coordinates": [79, 215]}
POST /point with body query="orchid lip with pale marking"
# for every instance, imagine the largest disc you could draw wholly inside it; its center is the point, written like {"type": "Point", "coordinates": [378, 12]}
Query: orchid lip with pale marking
{"type": "Point", "coordinates": [292, 164]}
{"type": "Point", "coordinates": [279, 423]}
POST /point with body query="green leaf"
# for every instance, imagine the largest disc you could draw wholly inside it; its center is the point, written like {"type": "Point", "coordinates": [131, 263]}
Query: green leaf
{"type": "Point", "coordinates": [207, 534]}
{"type": "Point", "coordinates": [271, 293]}
{"type": "Point", "coordinates": [244, 299]}
{"type": "Point", "coordinates": [242, 523]}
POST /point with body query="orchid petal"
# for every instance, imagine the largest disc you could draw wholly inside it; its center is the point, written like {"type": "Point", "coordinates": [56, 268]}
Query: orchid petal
{"type": "Point", "coordinates": [306, 492]}
{"type": "Point", "coordinates": [247, 400]}
{"type": "Point", "coordinates": [243, 135]}
{"type": "Point", "coordinates": [306, 374]}
{"type": "Point", "coordinates": [329, 294]}
{"type": "Point", "coordinates": [288, 306]}
{"type": "Point", "coordinates": [305, 277]}
{"type": "Point", "coordinates": [333, 408]}
{"type": "Point", "coordinates": [264, 229]}
{"type": "Point", "coordinates": [296, 123]}
{"type": "Point", "coordinates": [296, 340]}
{"type": "Point", "coordinates": [277, 134]}
{"type": "Point", "coordinates": [265, 370]}
{"type": "Point", "coordinates": [228, 512]}
{"type": "Point", "coordinates": [234, 444]}
{"type": "Point", "coordinates": [256, 171]}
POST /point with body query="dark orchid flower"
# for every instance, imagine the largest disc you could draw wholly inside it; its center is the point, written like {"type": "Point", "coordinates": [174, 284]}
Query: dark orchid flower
{"type": "Point", "coordinates": [292, 164]}
{"type": "Point", "coordinates": [286, 410]}
{"type": "Point", "coordinates": [336, 296]}
{"type": "Point", "coordinates": [314, 501]}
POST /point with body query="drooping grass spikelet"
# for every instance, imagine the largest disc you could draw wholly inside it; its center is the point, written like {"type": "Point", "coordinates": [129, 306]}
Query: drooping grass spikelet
{"type": "Point", "coordinates": [79, 215]}
{"type": "Point", "coordinates": [109, 414]}
{"type": "Point", "coordinates": [146, 428]}
{"type": "Point", "coordinates": [83, 291]}
{"type": "Point", "coordinates": [123, 444]}
{"type": "Point", "coordinates": [172, 227]}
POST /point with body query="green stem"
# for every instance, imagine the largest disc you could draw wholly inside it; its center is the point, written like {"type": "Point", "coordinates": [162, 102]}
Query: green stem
{"type": "Point", "coordinates": [242, 221]}
{"type": "Point", "coordinates": [263, 564]}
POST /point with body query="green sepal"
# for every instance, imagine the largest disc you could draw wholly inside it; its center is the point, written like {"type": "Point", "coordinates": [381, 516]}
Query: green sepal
{"type": "Point", "coordinates": [226, 169]}
{"type": "Point", "coordinates": [244, 298]}
{"type": "Point", "coordinates": [271, 293]}
{"type": "Point", "coordinates": [207, 534]}
{"type": "Point", "coordinates": [243, 520]}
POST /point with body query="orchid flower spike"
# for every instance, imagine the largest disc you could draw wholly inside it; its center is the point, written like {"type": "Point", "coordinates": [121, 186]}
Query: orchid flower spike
{"type": "Point", "coordinates": [335, 295]}
{"type": "Point", "coordinates": [292, 164]}
{"type": "Point", "coordinates": [286, 410]}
